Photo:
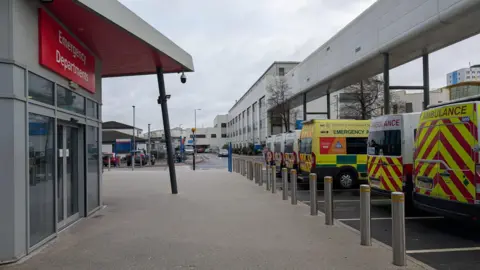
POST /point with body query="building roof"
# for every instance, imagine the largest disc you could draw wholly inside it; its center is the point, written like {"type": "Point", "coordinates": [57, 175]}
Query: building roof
{"type": "Point", "coordinates": [110, 136]}
{"type": "Point", "coordinates": [260, 78]}
{"type": "Point", "coordinates": [116, 125]}
{"type": "Point", "coordinates": [126, 44]}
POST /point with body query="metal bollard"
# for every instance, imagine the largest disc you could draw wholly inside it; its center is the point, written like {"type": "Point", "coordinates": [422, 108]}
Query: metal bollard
{"type": "Point", "coordinates": [109, 165]}
{"type": "Point", "coordinates": [328, 187]}
{"type": "Point", "coordinates": [365, 231]}
{"type": "Point", "coordinates": [398, 229]}
{"type": "Point", "coordinates": [293, 188]}
{"type": "Point", "coordinates": [261, 174]}
{"type": "Point", "coordinates": [285, 184]}
{"type": "Point", "coordinates": [273, 177]}
{"type": "Point", "coordinates": [313, 194]}
{"type": "Point", "coordinates": [269, 171]}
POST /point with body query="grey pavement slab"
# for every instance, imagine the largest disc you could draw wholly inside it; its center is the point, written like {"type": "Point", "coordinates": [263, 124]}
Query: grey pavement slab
{"type": "Point", "coordinates": [217, 221]}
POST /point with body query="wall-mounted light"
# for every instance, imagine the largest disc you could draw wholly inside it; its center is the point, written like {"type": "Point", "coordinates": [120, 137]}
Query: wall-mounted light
{"type": "Point", "coordinates": [73, 85]}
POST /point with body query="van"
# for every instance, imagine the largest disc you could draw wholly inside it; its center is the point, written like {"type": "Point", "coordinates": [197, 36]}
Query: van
{"type": "Point", "coordinates": [291, 152]}
{"type": "Point", "coordinates": [390, 154]}
{"type": "Point", "coordinates": [446, 159]}
{"type": "Point", "coordinates": [336, 148]}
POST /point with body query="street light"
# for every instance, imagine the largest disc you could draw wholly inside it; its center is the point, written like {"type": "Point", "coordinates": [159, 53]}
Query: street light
{"type": "Point", "coordinates": [133, 135]}
{"type": "Point", "coordinates": [194, 137]}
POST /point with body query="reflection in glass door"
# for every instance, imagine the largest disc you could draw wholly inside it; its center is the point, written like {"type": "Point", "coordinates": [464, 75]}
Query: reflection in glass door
{"type": "Point", "coordinates": [67, 180]}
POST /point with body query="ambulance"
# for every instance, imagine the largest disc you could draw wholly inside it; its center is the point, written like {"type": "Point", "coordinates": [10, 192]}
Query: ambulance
{"type": "Point", "coordinates": [335, 148]}
{"type": "Point", "coordinates": [446, 159]}
{"type": "Point", "coordinates": [390, 153]}
{"type": "Point", "coordinates": [278, 150]}
{"type": "Point", "coordinates": [269, 160]}
{"type": "Point", "coordinates": [291, 154]}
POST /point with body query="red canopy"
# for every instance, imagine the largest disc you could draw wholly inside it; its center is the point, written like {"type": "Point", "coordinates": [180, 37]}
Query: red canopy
{"type": "Point", "coordinates": [122, 52]}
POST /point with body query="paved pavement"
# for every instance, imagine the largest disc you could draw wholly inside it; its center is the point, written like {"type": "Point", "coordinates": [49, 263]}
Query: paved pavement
{"type": "Point", "coordinates": [217, 221]}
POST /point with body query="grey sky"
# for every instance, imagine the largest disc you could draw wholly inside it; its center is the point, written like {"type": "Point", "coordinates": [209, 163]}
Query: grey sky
{"type": "Point", "coordinates": [233, 42]}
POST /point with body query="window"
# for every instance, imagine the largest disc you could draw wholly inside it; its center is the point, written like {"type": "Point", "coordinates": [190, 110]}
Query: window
{"type": "Point", "coordinates": [92, 109]}
{"type": "Point", "coordinates": [281, 71]}
{"type": "Point", "coordinates": [289, 145]}
{"type": "Point", "coordinates": [200, 136]}
{"type": "Point", "coordinates": [69, 100]}
{"type": "Point", "coordinates": [277, 147]}
{"type": "Point", "coordinates": [40, 89]}
{"type": "Point", "coordinates": [223, 125]}
{"type": "Point", "coordinates": [213, 136]}
{"type": "Point", "coordinates": [93, 171]}
{"type": "Point", "coordinates": [356, 146]}
{"type": "Point", "coordinates": [42, 176]}
{"type": "Point", "coordinates": [224, 135]}
{"type": "Point", "coordinates": [408, 107]}
{"type": "Point", "coordinates": [387, 142]}
{"type": "Point", "coordinates": [306, 146]}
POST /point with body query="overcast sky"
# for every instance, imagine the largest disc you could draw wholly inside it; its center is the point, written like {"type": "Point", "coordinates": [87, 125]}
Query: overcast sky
{"type": "Point", "coordinates": [233, 42]}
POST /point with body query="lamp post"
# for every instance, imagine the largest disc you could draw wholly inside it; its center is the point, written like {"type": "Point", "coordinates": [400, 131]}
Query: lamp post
{"type": "Point", "coordinates": [194, 137]}
{"type": "Point", "coordinates": [133, 135]}
{"type": "Point", "coordinates": [194, 149]}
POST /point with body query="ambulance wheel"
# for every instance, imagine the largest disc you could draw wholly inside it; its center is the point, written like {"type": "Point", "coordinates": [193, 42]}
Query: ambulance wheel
{"type": "Point", "coordinates": [346, 179]}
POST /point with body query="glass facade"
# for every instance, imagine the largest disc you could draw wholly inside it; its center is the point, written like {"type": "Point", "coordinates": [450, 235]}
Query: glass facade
{"type": "Point", "coordinates": [41, 145]}
{"type": "Point", "coordinates": [69, 100]}
{"type": "Point", "coordinates": [92, 109]}
{"type": "Point", "coordinates": [40, 89]}
{"type": "Point", "coordinates": [93, 194]}
{"type": "Point", "coordinates": [60, 157]}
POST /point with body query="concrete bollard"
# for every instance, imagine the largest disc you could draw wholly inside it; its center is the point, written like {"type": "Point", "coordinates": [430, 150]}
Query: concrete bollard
{"type": "Point", "coordinates": [293, 188]}
{"type": "Point", "coordinates": [109, 164]}
{"type": "Point", "coordinates": [133, 162]}
{"type": "Point", "coordinates": [398, 229]}
{"type": "Point", "coordinates": [285, 184]}
{"type": "Point", "coordinates": [269, 171]}
{"type": "Point", "coordinates": [273, 177]}
{"type": "Point", "coordinates": [313, 194]}
{"type": "Point", "coordinates": [328, 187]}
{"type": "Point", "coordinates": [365, 229]}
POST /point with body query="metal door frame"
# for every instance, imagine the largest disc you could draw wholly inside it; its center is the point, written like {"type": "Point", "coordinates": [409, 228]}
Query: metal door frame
{"type": "Point", "coordinates": [67, 220]}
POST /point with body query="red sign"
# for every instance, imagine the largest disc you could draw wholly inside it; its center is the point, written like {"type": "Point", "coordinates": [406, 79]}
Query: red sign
{"type": "Point", "coordinates": [63, 54]}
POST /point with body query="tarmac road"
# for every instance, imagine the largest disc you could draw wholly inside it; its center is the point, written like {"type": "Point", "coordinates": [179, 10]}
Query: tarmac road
{"type": "Point", "coordinates": [434, 240]}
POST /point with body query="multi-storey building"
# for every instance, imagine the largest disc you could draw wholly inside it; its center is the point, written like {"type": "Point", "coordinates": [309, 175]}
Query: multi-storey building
{"type": "Point", "coordinates": [471, 74]}
{"type": "Point", "coordinates": [247, 119]}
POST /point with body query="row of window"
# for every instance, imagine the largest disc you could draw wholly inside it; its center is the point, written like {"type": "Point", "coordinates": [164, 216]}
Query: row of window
{"type": "Point", "coordinates": [203, 136]}
{"type": "Point", "coordinates": [43, 90]}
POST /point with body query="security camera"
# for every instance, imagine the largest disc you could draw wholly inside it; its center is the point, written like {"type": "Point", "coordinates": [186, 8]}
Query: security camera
{"type": "Point", "coordinates": [183, 78]}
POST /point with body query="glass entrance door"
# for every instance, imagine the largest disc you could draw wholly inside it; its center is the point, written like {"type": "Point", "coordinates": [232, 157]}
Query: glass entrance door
{"type": "Point", "coordinates": [67, 180]}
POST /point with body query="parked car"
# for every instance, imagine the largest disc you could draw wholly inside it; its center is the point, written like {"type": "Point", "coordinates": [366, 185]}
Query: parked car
{"type": "Point", "coordinates": [114, 161]}
{"type": "Point", "coordinates": [139, 156]}
{"type": "Point", "coordinates": [189, 150]}
{"type": "Point", "coordinates": [208, 150]}
{"type": "Point", "coordinates": [223, 153]}
{"type": "Point", "coordinates": [200, 150]}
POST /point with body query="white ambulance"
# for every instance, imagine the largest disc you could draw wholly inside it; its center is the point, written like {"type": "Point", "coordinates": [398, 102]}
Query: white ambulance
{"type": "Point", "coordinates": [390, 153]}
{"type": "Point", "coordinates": [269, 160]}
{"type": "Point", "coordinates": [278, 150]}
{"type": "Point", "coordinates": [291, 153]}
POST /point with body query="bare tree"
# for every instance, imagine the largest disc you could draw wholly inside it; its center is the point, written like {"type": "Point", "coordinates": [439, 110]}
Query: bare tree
{"type": "Point", "coordinates": [278, 99]}
{"type": "Point", "coordinates": [364, 100]}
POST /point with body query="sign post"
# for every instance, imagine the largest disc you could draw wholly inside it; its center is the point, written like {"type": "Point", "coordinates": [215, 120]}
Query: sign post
{"type": "Point", "coordinates": [194, 148]}
{"type": "Point", "coordinates": [230, 157]}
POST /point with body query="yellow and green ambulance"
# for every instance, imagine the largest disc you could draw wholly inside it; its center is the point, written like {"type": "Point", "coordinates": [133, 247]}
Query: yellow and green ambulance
{"type": "Point", "coordinates": [335, 148]}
